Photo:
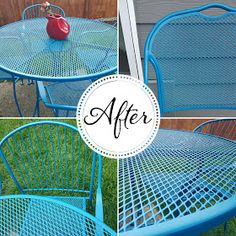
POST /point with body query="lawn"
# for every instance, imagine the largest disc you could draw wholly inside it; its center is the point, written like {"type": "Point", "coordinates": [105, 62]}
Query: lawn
{"type": "Point", "coordinates": [109, 177]}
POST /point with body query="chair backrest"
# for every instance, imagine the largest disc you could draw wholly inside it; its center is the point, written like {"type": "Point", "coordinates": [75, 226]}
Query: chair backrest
{"type": "Point", "coordinates": [34, 11]}
{"type": "Point", "coordinates": [193, 57]}
{"type": "Point", "coordinates": [49, 155]}
{"type": "Point", "coordinates": [225, 128]}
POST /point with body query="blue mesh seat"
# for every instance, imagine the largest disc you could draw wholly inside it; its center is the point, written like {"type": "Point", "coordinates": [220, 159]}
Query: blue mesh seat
{"type": "Point", "coordinates": [34, 215]}
{"type": "Point", "coordinates": [62, 97]}
{"type": "Point", "coordinates": [34, 11]}
{"type": "Point", "coordinates": [5, 76]}
{"type": "Point", "coordinates": [50, 157]}
{"type": "Point", "coordinates": [193, 57]}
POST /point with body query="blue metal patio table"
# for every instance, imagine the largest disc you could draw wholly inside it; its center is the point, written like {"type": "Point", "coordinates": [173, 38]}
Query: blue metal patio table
{"type": "Point", "coordinates": [184, 183]}
{"type": "Point", "coordinates": [89, 52]}
{"type": "Point", "coordinates": [35, 215]}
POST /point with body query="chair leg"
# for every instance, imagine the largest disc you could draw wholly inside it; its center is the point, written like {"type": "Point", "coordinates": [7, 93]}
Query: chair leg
{"type": "Point", "coordinates": [15, 97]}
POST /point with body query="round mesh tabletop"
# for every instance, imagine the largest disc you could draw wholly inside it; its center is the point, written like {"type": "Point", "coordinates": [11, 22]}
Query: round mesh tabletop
{"type": "Point", "coordinates": [180, 181]}
{"type": "Point", "coordinates": [34, 215]}
{"type": "Point", "coordinates": [90, 51]}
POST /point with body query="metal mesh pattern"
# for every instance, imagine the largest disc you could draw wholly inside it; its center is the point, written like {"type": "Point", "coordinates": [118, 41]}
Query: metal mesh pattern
{"type": "Point", "coordinates": [43, 217]}
{"type": "Point", "coordinates": [89, 51]}
{"type": "Point", "coordinates": [78, 202]}
{"type": "Point", "coordinates": [71, 92]}
{"type": "Point", "coordinates": [49, 156]}
{"type": "Point", "coordinates": [179, 174]}
{"type": "Point", "coordinates": [5, 76]}
{"type": "Point", "coordinates": [196, 59]}
{"type": "Point", "coordinates": [225, 128]}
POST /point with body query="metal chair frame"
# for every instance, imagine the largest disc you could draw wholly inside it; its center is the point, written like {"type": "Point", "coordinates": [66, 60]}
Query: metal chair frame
{"type": "Point", "coordinates": [17, 149]}
{"type": "Point", "coordinates": [224, 128]}
{"type": "Point", "coordinates": [34, 10]}
{"type": "Point", "coordinates": [149, 57]}
{"type": "Point", "coordinates": [56, 108]}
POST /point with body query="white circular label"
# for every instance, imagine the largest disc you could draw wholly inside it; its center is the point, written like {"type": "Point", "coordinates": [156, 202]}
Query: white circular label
{"type": "Point", "coordinates": [118, 116]}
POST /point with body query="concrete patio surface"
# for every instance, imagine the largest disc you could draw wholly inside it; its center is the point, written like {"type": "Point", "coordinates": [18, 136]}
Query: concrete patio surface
{"type": "Point", "coordinates": [26, 97]}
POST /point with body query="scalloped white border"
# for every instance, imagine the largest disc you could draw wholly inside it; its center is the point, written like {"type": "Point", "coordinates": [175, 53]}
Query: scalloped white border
{"type": "Point", "coordinates": [94, 146]}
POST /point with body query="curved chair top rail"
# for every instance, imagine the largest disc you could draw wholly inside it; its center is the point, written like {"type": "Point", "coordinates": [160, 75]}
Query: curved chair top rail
{"type": "Point", "coordinates": [224, 128]}
{"type": "Point", "coordinates": [35, 215]}
{"type": "Point", "coordinates": [184, 12]}
{"type": "Point", "coordinates": [187, 50]}
{"type": "Point", "coordinates": [49, 156]}
{"type": "Point", "coordinates": [35, 124]}
{"type": "Point", "coordinates": [35, 11]}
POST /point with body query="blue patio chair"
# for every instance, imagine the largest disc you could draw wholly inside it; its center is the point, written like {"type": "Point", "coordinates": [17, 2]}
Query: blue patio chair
{"type": "Point", "coordinates": [62, 97]}
{"type": "Point", "coordinates": [34, 11]}
{"type": "Point", "coordinates": [193, 57]}
{"type": "Point", "coordinates": [225, 128]}
{"type": "Point", "coordinates": [48, 157]}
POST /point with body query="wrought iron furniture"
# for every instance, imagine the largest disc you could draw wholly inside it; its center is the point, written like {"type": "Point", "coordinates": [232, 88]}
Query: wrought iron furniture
{"type": "Point", "coordinates": [48, 157]}
{"type": "Point", "coordinates": [89, 53]}
{"type": "Point", "coordinates": [182, 184]}
{"type": "Point", "coordinates": [34, 11]}
{"type": "Point", "coordinates": [34, 215]}
{"type": "Point", "coordinates": [63, 97]}
{"type": "Point", "coordinates": [225, 128]}
{"type": "Point", "coordinates": [193, 57]}
{"type": "Point", "coordinates": [5, 76]}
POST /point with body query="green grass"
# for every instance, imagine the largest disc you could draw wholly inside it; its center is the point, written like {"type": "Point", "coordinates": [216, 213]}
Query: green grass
{"type": "Point", "coordinates": [109, 177]}
{"type": "Point", "coordinates": [219, 230]}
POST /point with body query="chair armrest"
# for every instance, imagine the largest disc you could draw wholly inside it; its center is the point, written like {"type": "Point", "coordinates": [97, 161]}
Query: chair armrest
{"type": "Point", "coordinates": [42, 91]}
{"type": "Point", "coordinates": [99, 205]}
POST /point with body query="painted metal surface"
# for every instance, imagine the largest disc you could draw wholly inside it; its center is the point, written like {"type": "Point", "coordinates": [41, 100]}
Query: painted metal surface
{"type": "Point", "coordinates": [90, 51]}
{"type": "Point", "coordinates": [50, 156]}
{"type": "Point", "coordinates": [35, 215]}
{"type": "Point", "coordinates": [193, 57]}
{"type": "Point", "coordinates": [182, 184]}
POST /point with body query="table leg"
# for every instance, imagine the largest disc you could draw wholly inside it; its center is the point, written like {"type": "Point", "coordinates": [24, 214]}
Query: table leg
{"type": "Point", "coordinates": [36, 108]}
{"type": "Point", "coordinates": [14, 80]}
